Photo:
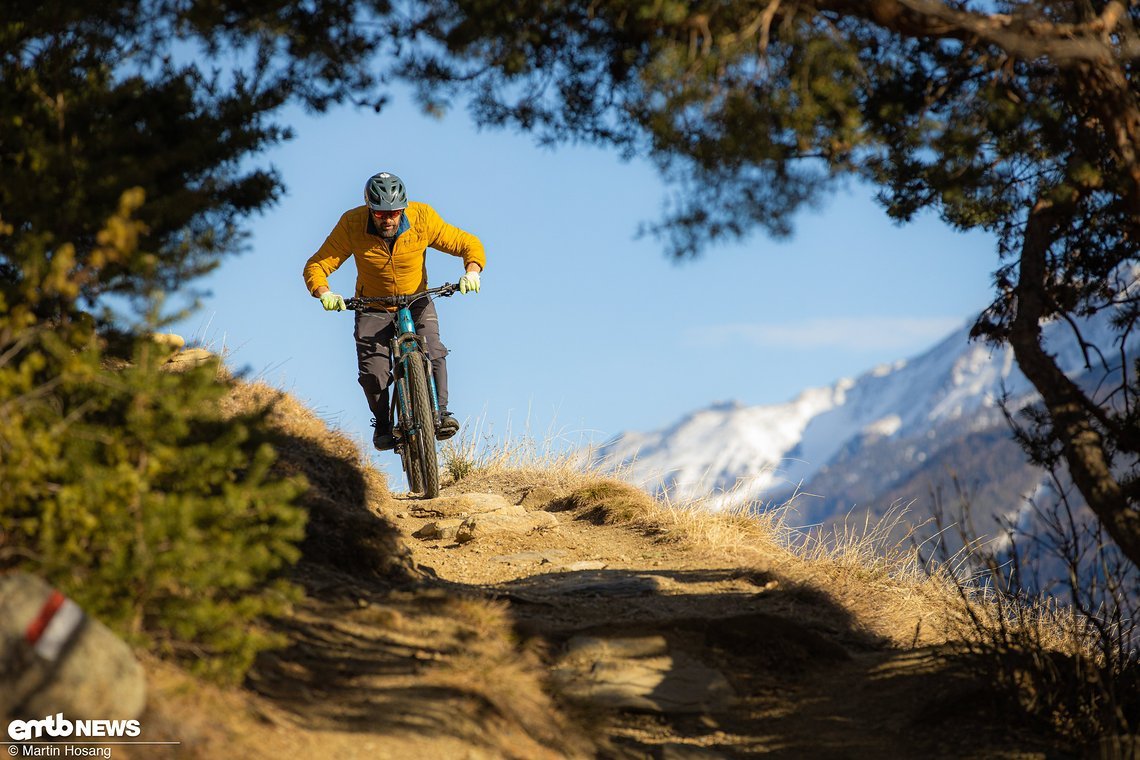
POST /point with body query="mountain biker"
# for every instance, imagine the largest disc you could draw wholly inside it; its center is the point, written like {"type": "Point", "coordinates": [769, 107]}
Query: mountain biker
{"type": "Point", "coordinates": [389, 237]}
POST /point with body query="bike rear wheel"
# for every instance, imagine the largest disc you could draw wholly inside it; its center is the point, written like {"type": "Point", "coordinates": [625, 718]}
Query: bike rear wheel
{"type": "Point", "coordinates": [422, 441]}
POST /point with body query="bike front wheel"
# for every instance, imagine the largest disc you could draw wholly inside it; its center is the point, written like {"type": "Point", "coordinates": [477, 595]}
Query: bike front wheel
{"type": "Point", "coordinates": [410, 458]}
{"type": "Point", "coordinates": [422, 443]}
{"type": "Point", "coordinates": [409, 453]}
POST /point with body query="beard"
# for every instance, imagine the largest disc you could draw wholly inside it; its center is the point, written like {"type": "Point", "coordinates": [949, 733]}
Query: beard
{"type": "Point", "coordinates": [387, 230]}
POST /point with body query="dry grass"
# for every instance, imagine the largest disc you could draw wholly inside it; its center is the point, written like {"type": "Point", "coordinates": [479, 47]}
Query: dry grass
{"type": "Point", "coordinates": [295, 421]}
{"type": "Point", "coordinates": [880, 581]}
{"type": "Point", "coordinates": [477, 453]}
{"type": "Point", "coordinates": [482, 699]}
{"type": "Point", "coordinates": [873, 569]}
{"type": "Point", "coordinates": [345, 497]}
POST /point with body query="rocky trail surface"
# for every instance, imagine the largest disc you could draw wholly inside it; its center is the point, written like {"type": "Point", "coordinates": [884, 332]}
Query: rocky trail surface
{"type": "Point", "coordinates": [525, 624]}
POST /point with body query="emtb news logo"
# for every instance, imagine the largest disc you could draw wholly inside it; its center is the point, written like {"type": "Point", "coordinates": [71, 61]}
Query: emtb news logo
{"type": "Point", "coordinates": [58, 726]}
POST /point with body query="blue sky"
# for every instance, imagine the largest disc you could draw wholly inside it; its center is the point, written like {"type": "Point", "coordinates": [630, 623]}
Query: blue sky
{"type": "Point", "coordinates": [581, 329]}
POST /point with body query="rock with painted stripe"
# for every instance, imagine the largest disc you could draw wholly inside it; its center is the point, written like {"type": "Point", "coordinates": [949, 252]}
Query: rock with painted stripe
{"type": "Point", "coordinates": [56, 659]}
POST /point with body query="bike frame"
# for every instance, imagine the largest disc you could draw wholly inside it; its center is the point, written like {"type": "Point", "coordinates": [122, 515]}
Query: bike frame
{"type": "Point", "coordinates": [406, 345]}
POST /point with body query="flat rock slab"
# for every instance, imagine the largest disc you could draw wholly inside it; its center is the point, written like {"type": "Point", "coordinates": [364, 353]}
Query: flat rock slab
{"type": "Point", "coordinates": [191, 357]}
{"type": "Point", "coordinates": [640, 674]}
{"type": "Point", "coordinates": [440, 529]}
{"type": "Point", "coordinates": [586, 649]}
{"type": "Point", "coordinates": [607, 583]}
{"type": "Point", "coordinates": [467, 504]}
{"type": "Point", "coordinates": [504, 522]}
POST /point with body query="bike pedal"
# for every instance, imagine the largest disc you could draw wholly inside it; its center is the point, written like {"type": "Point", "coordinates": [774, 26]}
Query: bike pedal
{"type": "Point", "coordinates": [447, 427]}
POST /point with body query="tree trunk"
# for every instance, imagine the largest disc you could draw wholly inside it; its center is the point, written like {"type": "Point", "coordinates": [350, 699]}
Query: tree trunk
{"type": "Point", "coordinates": [1068, 407]}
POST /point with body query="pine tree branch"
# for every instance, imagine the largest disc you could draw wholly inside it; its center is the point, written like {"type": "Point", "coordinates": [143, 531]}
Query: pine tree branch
{"type": "Point", "coordinates": [1103, 38]}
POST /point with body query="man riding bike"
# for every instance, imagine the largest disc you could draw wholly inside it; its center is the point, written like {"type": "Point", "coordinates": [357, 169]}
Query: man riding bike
{"type": "Point", "coordinates": [389, 236]}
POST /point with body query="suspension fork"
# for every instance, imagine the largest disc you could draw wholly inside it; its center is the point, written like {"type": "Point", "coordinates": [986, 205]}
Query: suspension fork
{"type": "Point", "coordinates": [405, 330]}
{"type": "Point", "coordinates": [431, 386]}
{"type": "Point", "coordinates": [401, 403]}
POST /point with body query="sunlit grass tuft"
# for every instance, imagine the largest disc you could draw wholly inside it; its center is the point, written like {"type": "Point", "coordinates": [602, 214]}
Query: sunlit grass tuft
{"type": "Point", "coordinates": [479, 452]}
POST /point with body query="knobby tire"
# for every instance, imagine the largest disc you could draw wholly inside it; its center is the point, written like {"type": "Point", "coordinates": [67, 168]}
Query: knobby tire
{"type": "Point", "coordinates": [411, 459]}
{"type": "Point", "coordinates": [423, 414]}
{"type": "Point", "coordinates": [409, 453]}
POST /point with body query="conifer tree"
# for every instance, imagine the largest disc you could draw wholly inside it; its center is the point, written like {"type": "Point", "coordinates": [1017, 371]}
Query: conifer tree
{"type": "Point", "coordinates": [129, 131]}
{"type": "Point", "coordinates": [127, 486]}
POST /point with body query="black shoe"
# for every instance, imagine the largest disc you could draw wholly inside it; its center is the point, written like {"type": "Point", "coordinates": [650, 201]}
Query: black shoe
{"type": "Point", "coordinates": [383, 439]}
{"type": "Point", "coordinates": [448, 426]}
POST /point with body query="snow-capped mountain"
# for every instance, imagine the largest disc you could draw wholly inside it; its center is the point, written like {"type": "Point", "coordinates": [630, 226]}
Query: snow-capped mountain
{"type": "Point", "coordinates": [861, 439]}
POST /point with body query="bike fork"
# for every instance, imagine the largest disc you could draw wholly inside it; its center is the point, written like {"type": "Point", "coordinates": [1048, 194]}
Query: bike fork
{"type": "Point", "coordinates": [431, 387]}
{"type": "Point", "coordinates": [401, 406]}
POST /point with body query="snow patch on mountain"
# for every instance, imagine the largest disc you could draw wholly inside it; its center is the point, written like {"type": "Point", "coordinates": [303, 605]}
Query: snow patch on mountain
{"type": "Point", "coordinates": [755, 452]}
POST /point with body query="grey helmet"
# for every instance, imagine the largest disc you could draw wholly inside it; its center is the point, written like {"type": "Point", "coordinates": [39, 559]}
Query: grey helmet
{"type": "Point", "coordinates": [385, 192]}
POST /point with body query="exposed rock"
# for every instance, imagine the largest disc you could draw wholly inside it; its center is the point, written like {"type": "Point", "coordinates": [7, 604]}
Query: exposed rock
{"type": "Point", "coordinates": [441, 529]}
{"type": "Point", "coordinates": [54, 658]}
{"type": "Point", "coordinates": [640, 674]}
{"type": "Point", "coordinates": [595, 648]}
{"type": "Point", "coordinates": [467, 504]}
{"type": "Point", "coordinates": [169, 341]}
{"type": "Point", "coordinates": [504, 521]}
{"type": "Point", "coordinates": [191, 357]}
{"type": "Point", "coordinates": [598, 583]}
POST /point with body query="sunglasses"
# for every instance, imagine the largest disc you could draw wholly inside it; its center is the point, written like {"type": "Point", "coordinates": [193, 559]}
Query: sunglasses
{"type": "Point", "coordinates": [386, 214]}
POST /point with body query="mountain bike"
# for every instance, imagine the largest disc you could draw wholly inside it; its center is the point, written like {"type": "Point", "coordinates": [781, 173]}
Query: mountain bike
{"type": "Point", "coordinates": [415, 405]}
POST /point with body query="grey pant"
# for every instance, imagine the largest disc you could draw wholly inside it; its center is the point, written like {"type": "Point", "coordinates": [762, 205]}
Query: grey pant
{"type": "Point", "coordinates": [374, 332]}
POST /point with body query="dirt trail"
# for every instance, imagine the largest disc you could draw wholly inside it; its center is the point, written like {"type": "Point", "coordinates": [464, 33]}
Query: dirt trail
{"type": "Point", "coordinates": [802, 679]}
{"type": "Point", "coordinates": [573, 638]}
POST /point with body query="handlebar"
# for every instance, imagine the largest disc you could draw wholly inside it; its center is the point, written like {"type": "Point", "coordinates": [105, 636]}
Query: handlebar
{"type": "Point", "coordinates": [363, 303]}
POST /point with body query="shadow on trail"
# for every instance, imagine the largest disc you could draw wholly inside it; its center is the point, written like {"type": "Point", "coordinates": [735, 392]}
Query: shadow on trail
{"type": "Point", "coordinates": [806, 680]}
{"type": "Point", "coordinates": [358, 659]}
{"type": "Point", "coordinates": [342, 532]}
{"type": "Point", "coordinates": [608, 602]}
{"type": "Point", "coordinates": [370, 644]}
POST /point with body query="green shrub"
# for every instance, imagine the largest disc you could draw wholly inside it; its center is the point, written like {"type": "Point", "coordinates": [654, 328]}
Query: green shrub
{"type": "Point", "coordinates": [128, 490]}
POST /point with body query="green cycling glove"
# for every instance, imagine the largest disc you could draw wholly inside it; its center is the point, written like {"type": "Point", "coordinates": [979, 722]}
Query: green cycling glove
{"type": "Point", "coordinates": [469, 283]}
{"type": "Point", "coordinates": [331, 301]}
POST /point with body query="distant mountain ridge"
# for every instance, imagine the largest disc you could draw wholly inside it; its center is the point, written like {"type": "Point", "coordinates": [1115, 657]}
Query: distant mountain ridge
{"type": "Point", "coordinates": [893, 433]}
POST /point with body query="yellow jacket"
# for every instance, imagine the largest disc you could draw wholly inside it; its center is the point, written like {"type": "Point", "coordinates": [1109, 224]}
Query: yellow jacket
{"type": "Point", "coordinates": [384, 269]}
